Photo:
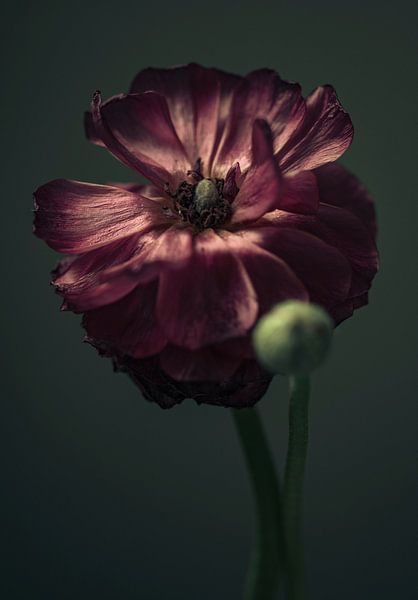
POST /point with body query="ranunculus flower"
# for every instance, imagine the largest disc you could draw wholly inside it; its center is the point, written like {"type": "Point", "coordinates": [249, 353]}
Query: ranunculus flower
{"type": "Point", "coordinates": [246, 208]}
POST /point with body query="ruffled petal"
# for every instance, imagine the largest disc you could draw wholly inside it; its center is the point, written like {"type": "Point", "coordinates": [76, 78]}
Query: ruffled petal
{"type": "Point", "coordinates": [75, 217]}
{"type": "Point", "coordinates": [342, 230]}
{"type": "Point", "coordinates": [99, 277]}
{"type": "Point", "coordinates": [209, 300]}
{"type": "Point", "coordinates": [198, 99]}
{"type": "Point", "coordinates": [127, 327]}
{"type": "Point", "coordinates": [138, 130]}
{"type": "Point", "coordinates": [262, 186]}
{"type": "Point", "coordinates": [261, 95]}
{"type": "Point", "coordinates": [244, 388]}
{"type": "Point", "coordinates": [325, 272]}
{"type": "Point", "coordinates": [273, 280]}
{"type": "Point", "coordinates": [322, 136]}
{"type": "Point", "coordinates": [339, 187]}
{"type": "Point", "coordinates": [170, 249]}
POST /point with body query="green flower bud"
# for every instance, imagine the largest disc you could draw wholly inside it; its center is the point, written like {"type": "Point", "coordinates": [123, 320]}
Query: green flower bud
{"type": "Point", "coordinates": [293, 338]}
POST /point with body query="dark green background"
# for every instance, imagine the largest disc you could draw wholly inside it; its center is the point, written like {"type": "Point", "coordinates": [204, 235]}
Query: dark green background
{"type": "Point", "coordinates": [106, 496]}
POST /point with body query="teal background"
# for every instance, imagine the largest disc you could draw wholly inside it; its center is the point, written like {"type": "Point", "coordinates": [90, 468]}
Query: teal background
{"type": "Point", "coordinates": [107, 496]}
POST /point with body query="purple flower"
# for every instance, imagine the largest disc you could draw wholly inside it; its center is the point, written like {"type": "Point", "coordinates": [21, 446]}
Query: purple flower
{"type": "Point", "coordinates": [246, 208]}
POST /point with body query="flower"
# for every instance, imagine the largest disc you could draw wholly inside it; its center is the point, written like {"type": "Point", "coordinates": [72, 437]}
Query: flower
{"type": "Point", "coordinates": [245, 208]}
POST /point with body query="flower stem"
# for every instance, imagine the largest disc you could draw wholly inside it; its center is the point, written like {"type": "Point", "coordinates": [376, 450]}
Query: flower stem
{"type": "Point", "coordinates": [293, 486]}
{"type": "Point", "coordinates": [263, 573]}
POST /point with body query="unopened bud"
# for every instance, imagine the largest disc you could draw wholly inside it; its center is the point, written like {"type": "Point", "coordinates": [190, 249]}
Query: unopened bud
{"type": "Point", "coordinates": [293, 338]}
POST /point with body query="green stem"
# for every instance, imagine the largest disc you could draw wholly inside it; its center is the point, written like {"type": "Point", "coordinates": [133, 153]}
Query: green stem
{"type": "Point", "coordinates": [262, 578]}
{"type": "Point", "coordinates": [293, 486]}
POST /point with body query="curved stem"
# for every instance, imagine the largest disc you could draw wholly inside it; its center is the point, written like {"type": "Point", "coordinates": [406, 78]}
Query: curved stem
{"type": "Point", "coordinates": [293, 486]}
{"type": "Point", "coordinates": [262, 578]}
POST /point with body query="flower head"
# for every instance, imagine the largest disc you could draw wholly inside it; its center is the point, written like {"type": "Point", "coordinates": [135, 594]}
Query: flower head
{"type": "Point", "coordinates": [245, 208]}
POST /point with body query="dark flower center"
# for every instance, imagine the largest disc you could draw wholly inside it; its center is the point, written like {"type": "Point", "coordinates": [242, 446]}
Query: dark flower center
{"type": "Point", "coordinates": [202, 204]}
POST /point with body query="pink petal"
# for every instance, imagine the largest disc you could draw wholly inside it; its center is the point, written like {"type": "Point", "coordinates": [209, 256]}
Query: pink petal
{"type": "Point", "coordinates": [98, 278]}
{"type": "Point", "coordinates": [300, 193]}
{"type": "Point", "coordinates": [273, 280]}
{"type": "Point", "coordinates": [198, 99]}
{"type": "Point", "coordinates": [342, 230]}
{"type": "Point", "coordinates": [262, 94]}
{"type": "Point", "coordinates": [75, 217]}
{"type": "Point", "coordinates": [170, 249]}
{"type": "Point", "coordinates": [339, 187]}
{"type": "Point", "coordinates": [208, 300]}
{"type": "Point", "coordinates": [138, 130]}
{"type": "Point", "coordinates": [262, 186]}
{"type": "Point", "coordinates": [324, 271]}
{"type": "Point", "coordinates": [323, 135]}
{"type": "Point", "coordinates": [128, 326]}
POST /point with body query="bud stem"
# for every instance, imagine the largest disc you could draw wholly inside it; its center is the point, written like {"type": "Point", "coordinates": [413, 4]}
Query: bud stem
{"type": "Point", "coordinates": [293, 486]}
{"type": "Point", "coordinates": [262, 578]}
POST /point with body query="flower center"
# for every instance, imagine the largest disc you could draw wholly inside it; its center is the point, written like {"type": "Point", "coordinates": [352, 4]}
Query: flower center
{"type": "Point", "coordinates": [202, 204]}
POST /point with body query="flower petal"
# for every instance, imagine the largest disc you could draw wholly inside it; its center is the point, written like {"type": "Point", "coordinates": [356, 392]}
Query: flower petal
{"type": "Point", "coordinates": [325, 272]}
{"type": "Point", "coordinates": [339, 187]}
{"type": "Point", "coordinates": [273, 280]}
{"type": "Point", "coordinates": [75, 217]}
{"type": "Point", "coordinates": [209, 300]}
{"type": "Point", "coordinates": [261, 95]}
{"type": "Point", "coordinates": [244, 388]}
{"type": "Point", "coordinates": [204, 364]}
{"type": "Point", "coordinates": [300, 193]}
{"type": "Point", "coordinates": [138, 130]}
{"type": "Point", "coordinates": [342, 230]}
{"type": "Point", "coordinates": [198, 99]}
{"type": "Point", "coordinates": [323, 135]}
{"type": "Point", "coordinates": [127, 326]}
{"type": "Point", "coordinates": [98, 278]}
{"type": "Point", "coordinates": [262, 186]}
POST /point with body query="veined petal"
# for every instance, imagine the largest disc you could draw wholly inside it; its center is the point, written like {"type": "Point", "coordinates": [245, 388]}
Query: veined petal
{"type": "Point", "coordinates": [322, 136]}
{"type": "Point", "coordinates": [209, 300]}
{"type": "Point", "coordinates": [75, 217]}
{"type": "Point", "coordinates": [198, 99]}
{"type": "Point", "coordinates": [138, 130]}
{"type": "Point", "coordinates": [99, 277]}
{"type": "Point", "coordinates": [264, 95]}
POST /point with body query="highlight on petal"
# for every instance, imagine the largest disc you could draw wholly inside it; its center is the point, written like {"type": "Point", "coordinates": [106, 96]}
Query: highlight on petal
{"type": "Point", "coordinates": [199, 100]}
{"type": "Point", "coordinates": [209, 300]}
{"type": "Point", "coordinates": [262, 186]}
{"type": "Point", "coordinates": [322, 136]}
{"type": "Point", "coordinates": [262, 94]}
{"type": "Point", "coordinates": [138, 130]}
{"type": "Point", "coordinates": [75, 217]}
{"type": "Point", "coordinates": [101, 276]}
